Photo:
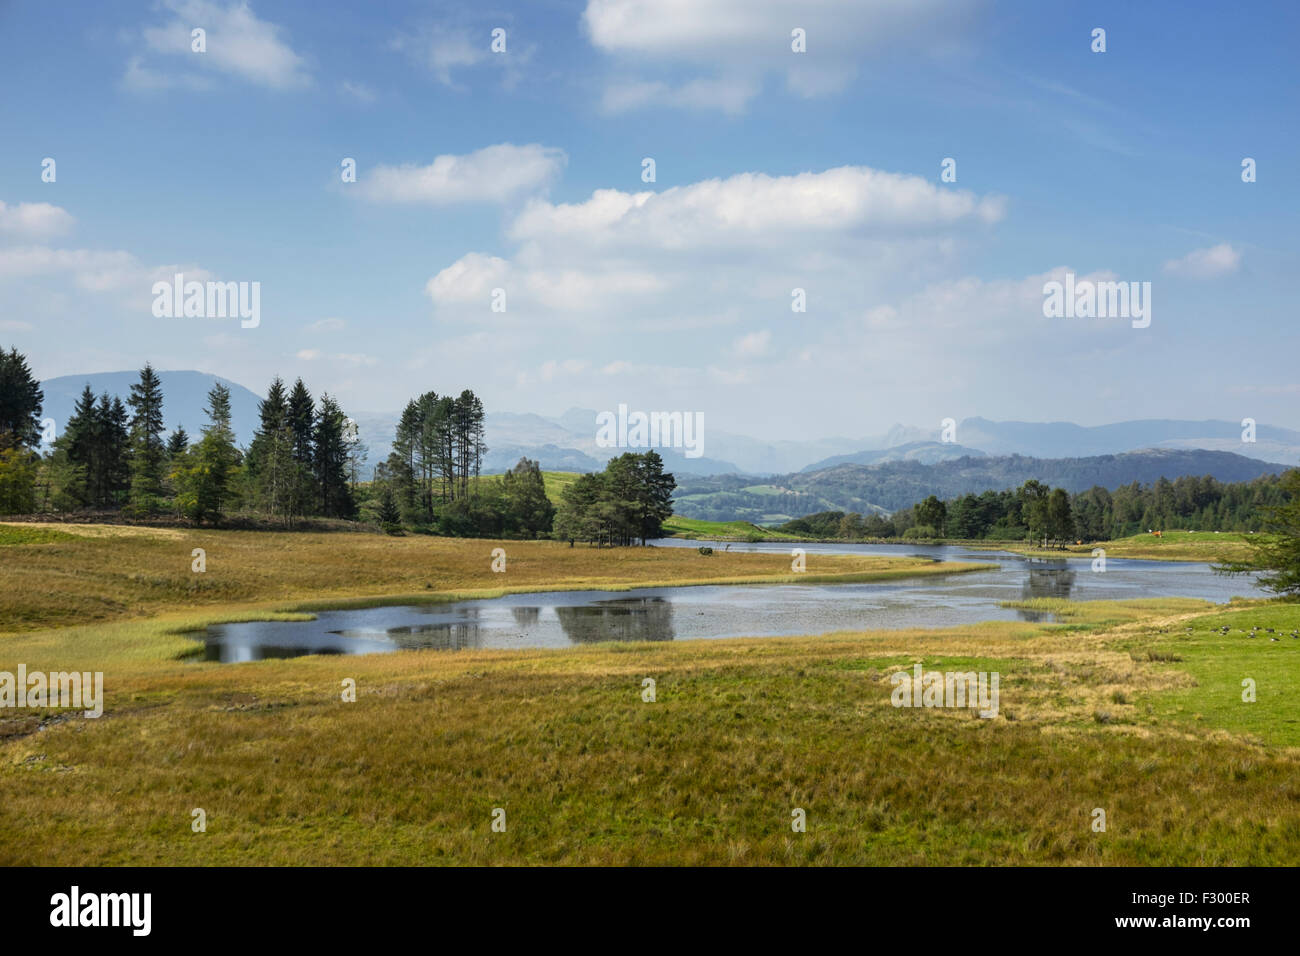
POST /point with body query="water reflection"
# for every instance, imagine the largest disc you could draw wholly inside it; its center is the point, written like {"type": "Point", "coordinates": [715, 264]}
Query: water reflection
{"type": "Point", "coordinates": [564, 618]}
{"type": "Point", "coordinates": [621, 619]}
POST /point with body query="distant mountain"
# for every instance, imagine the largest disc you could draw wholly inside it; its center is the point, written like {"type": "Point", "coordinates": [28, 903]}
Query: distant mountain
{"type": "Point", "coordinates": [185, 395]}
{"type": "Point", "coordinates": [568, 442]}
{"type": "Point", "coordinates": [889, 486]}
{"type": "Point", "coordinates": [550, 457]}
{"type": "Point", "coordinates": [1060, 439]}
{"type": "Point", "coordinates": [926, 452]}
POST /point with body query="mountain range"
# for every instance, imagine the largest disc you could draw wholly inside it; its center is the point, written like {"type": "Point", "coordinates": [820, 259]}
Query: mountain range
{"type": "Point", "coordinates": [568, 442]}
{"type": "Point", "coordinates": [890, 485]}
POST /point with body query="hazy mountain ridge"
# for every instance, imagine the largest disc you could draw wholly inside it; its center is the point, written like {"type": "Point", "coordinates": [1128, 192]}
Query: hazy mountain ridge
{"type": "Point", "coordinates": [890, 486]}
{"type": "Point", "coordinates": [568, 442]}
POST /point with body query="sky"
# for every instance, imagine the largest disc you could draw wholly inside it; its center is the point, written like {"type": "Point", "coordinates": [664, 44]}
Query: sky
{"type": "Point", "coordinates": [503, 232]}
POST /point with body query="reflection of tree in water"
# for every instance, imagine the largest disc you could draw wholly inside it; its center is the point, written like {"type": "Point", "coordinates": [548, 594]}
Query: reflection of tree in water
{"type": "Point", "coordinates": [1046, 579]}
{"type": "Point", "coordinates": [441, 637]}
{"type": "Point", "coordinates": [623, 619]}
{"type": "Point", "coordinates": [525, 616]}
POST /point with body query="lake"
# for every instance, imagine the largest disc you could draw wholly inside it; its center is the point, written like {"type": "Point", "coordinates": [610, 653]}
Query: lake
{"type": "Point", "coordinates": [565, 618]}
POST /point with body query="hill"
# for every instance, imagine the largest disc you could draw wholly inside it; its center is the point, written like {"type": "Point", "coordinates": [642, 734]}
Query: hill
{"type": "Point", "coordinates": [889, 486]}
{"type": "Point", "coordinates": [185, 395]}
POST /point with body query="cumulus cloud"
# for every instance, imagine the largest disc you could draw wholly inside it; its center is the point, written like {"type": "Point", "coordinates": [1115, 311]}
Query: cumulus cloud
{"type": "Point", "coordinates": [492, 174]}
{"type": "Point", "coordinates": [710, 254]}
{"type": "Point", "coordinates": [34, 220]}
{"type": "Point", "coordinates": [238, 44]}
{"type": "Point", "coordinates": [1208, 263]}
{"type": "Point", "coordinates": [753, 208]}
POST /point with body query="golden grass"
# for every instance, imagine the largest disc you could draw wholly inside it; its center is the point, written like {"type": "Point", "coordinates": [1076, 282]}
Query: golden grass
{"type": "Point", "coordinates": [742, 731]}
{"type": "Point", "coordinates": [135, 572]}
{"type": "Point", "coordinates": [1171, 546]}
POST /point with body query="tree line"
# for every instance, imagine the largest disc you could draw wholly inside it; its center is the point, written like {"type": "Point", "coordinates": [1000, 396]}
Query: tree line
{"type": "Point", "coordinates": [1036, 511]}
{"type": "Point", "coordinates": [115, 455]}
{"type": "Point", "coordinates": [303, 461]}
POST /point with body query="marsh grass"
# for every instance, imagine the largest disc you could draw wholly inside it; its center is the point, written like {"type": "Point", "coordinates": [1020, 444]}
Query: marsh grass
{"type": "Point", "coordinates": [742, 732]}
{"type": "Point", "coordinates": [104, 573]}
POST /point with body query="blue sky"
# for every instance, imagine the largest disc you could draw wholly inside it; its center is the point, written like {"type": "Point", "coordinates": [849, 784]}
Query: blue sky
{"type": "Point", "coordinates": [522, 170]}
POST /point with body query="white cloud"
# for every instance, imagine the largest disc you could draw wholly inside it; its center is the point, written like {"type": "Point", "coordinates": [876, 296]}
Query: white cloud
{"type": "Point", "coordinates": [469, 279]}
{"type": "Point", "coordinates": [309, 355]}
{"type": "Point", "coordinates": [754, 208]}
{"type": "Point", "coordinates": [752, 345]}
{"type": "Point", "coordinates": [448, 49]}
{"type": "Point", "coordinates": [34, 220]}
{"type": "Point", "coordinates": [492, 174]}
{"type": "Point", "coordinates": [1208, 263]}
{"type": "Point", "coordinates": [358, 91]}
{"type": "Point", "coordinates": [733, 44]}
{"type": "Point", "coordinates": [711, 254]}
{"type": "Point", "coordinates": [93, 270]}
{"type": "Point", "coordinates": [729, 94]}
{"type": "Point", "coordinates": [327, 325]}
{"type": "Point", "coordinates": [237, 44]}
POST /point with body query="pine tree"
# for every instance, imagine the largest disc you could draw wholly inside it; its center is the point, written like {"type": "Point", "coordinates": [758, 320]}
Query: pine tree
{"type": "Point", "coordinates": [330, 451]}
{"type": "Point", "coordinates": [301, 419]}
{"type": "Point", "coordinates": [114, 440]}
{"type": "Point", "coordinates": [177, 443]}
{"type": "Point", "coordinates": [76, 446]}
{"type": "Point", "coordinates": [148, 451]}
{"type": "Point", "coordinates": [205, 478]}
{"type": "Point", "coordinates": [274, 476]}
{"type": "Point", "coordinates": [20, 402]}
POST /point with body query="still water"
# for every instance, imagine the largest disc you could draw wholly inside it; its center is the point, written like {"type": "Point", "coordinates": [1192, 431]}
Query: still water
{"type": "Point", "coordinates": [562, 619]}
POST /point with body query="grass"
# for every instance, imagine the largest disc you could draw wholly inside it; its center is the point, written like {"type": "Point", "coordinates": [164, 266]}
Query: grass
{"type": "Point", "coordinates": [100, 573]}
{"type": "Point", "coordinates": [1218, 664]}
{"type": "Point", "coordinates": [680, 527]}
{"type": "Point", "coordinates": [1108, 704]}
{"type": "Point", "coordinates": [554, 482]}
{"type": "Point", "coordinates": [1203, 546]}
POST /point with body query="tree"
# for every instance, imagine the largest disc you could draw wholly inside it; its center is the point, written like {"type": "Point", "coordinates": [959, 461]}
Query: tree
{"type": "Point", "coordinates": [177, 442]}
{"type": "Point", "coordinates": [931, 513]}
{"type": "Point", "coordinates": [205, 477]}
{"type": "Point", "coordinates": [1275, 554]}
{"type": "Point", "coordinates": [273, 474]}
{"type": "Point", "coordinates": [330, 462]}
{"type": "Point", "coordinates": [576, 518]}
{"type": "Point", "coordinates": [654, 497]}
{"type": "Point", "coordinates": [1060, 519]}
{"type": "Point", "coordinates": [527, 509]}
{"type": "Point", "coordinates": [302, 423]}
{"type": "Point", "coordinates": [20, 402]}
{"type": "Point", "coordinates": [1033, 507]}
{"type": "Point", "coordinates": [630, 499]}
{"type": "Point", "coordinates": [390, 519]}
{"type": "Point", "coordinates": [148, 452]}
{"type": "Point", "coordinates": [17, 481]}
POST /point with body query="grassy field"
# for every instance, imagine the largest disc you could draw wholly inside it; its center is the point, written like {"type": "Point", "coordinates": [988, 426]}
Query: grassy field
{"type": "Point", "coordinates": [1118, 705]}
{"type": "Point", "coordinates": [78, 574]}
{"type": "Point", "coordinates": [1205, 546]}
{"type": "Point", "coordinates": [680, 527]}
